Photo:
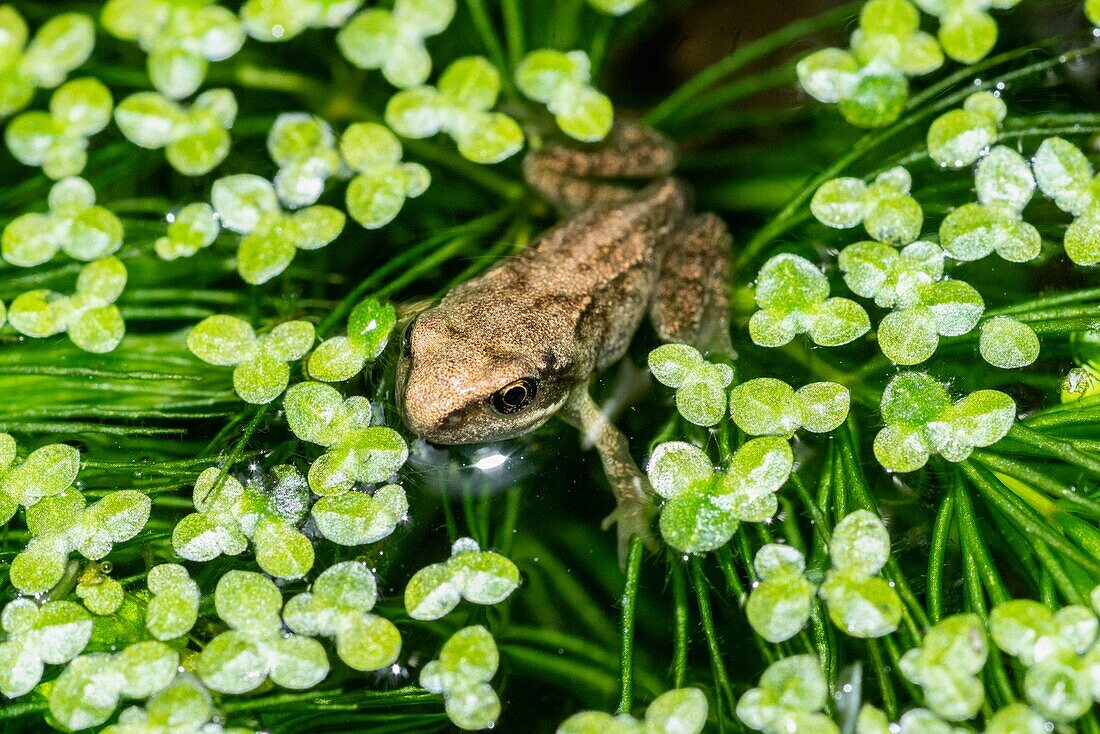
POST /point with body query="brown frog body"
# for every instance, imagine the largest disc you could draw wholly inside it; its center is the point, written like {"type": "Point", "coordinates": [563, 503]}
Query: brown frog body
{"type": "Point", "coordinates": [504, 352]}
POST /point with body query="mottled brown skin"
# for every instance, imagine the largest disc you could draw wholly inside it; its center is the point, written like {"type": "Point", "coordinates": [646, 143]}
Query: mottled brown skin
{"type": "Point", "coordinates": [568, 307]}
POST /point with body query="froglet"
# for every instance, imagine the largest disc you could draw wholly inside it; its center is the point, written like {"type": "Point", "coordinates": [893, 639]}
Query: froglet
{"type": "Point", "coordinates": [502, 353]}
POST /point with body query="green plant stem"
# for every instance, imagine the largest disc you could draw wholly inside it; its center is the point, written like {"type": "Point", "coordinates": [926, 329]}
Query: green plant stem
{"type": "Point", "coordinates": [680, 619]}
{"type": "Point", "coordinates": [1024, 518]}
{"type": "Point", "coordinates": [513, 31]}
{"type": "Point", "coordinates": [886, 687]}
{"type": "Point", "coordinates": [629, 609]}
{"type": "Point", "coordinates": [718, 666]}
{"type": "Point", "coordinates": [1024, 473]}
{"type": "Point", "coordinates": [743, 56]}
{"type": "Point", "coordinates": [974, 545]}
{"type": "Point", "coordinates": [937, 554]}
{"type": "Point", "coordinates": [1055, 448]}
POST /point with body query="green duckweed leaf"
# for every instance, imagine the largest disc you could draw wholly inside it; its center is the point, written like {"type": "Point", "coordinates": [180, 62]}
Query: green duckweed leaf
{"type": "Point", "coordinates": [255, 646]}
{"type": "Point", "coordinates": [102, 595]}
{"type": "Point", "coordinates": [260, 370]}
{"type": "Point", "coordinates": [562, 81]}
{"type": "Point", "coordinates": [304, 148]}
{"type": "Point", "coordinates": [51, 634]}
{"type": "Point", "coordinates": [376, 195]}
{"type": "Point", "coordinates": [1008, 343]}
{"type": "Point", "coordinates": [184, 707]}
{"type": "Point", "coordinates": [793, 296]}
{"type": "Point", "coordinates": [338, 606]}
{"type": "Point", "coordinates": [769, 407]}
{"type": "Point", "coordinates": [466, 664]}
{"type": "Point", "coordinates": [174, 606]}
{"type": "Point", "coordinates": [195, 138]}
{"type": "Point", "coordinates": [921, 421]}
{"type": "Point", "coordinates": [138, 671]}
{"type": "Point", "coordinates": [62, 523]}
{"type": "Point", "coordinates": [61, 44]}
{"type": "Point", "coordinates": [480, 577]}
{"type": "Point", "coordinates": [179, 37]}
{"type": "Point", "coordinates": [393, 42]}
{"type": "Point", "coordinates": [191, 229]}
{"type": "Point", "coordinates": [780, 604]}
{"type": "Point", "coordinates": [700, 385]}
{"type": "Point", "coordinates": [249, 205]}
{"type": "Point", "coordinates": [357, 451]}
{"type": "Point", "coordinates": [959, 137]}
{"type": "Point", "coordinates": [789, 690]}
{"type": "Point", "coordinates": [74, 225]}
{"type": "Point", "coordinates": [273, 21]}
{"type": "Point", "coordinates": [946, 666]}
{"type": "Point", "coordinates": [57, 141]}
{"type": "Point", "coordinates": [357, 518]}
{"type": "Point", "coordinates": [877, 270]}
{"type": "Point", "coordinates": [460, 106]}
{"type": "Point", "coordinates": [267, 511]}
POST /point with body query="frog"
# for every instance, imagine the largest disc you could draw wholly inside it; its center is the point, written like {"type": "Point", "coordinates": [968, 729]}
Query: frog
{"type": "Point", "coordinates": [504, 352]}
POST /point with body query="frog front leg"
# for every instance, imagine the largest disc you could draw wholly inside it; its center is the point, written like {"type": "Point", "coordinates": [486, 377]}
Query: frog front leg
{"type": "Point", "coordinates": [633, 493]}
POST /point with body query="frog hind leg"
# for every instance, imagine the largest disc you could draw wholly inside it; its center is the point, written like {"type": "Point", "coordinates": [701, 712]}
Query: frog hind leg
{"type": "Point", "coordinates": [576, 178]}
{"type": "Point", "coordinates": [691, 302]}
{"type": "Point", "coordinates": [634, 510]}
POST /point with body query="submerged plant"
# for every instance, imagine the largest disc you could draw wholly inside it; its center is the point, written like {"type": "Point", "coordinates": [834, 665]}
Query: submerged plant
{"type": "Point", "coordinates": [869, 507]}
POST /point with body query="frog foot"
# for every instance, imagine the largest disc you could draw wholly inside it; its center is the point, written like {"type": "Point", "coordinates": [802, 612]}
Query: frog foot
{"type": "Point", "coordinates": [632, 517]}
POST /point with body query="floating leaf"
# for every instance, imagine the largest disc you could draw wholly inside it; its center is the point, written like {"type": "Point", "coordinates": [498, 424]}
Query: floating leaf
{"type": "Point", "coordinates": [45, 472]}
{"type": "Point", "coordinates": [58, 140]}
{"type": "Point", "coordinates": [61, 44]}
{"type": "Point", "coordinates": [859, 602]}
{"type": "Point", "coordinates": [51, 634]}
{"type": "Point", "coordinates": [466, 664]}
{"type": "Point", "coordinates": [681, 710]}
{"type": "Point", "coordinates": [921, 421]}
{"type": "Point", "coordinates": [63, 523]}
{"type": "Point", "coordinates": [770, 407]}
{"type": "Point", "coordinates": [780, 604]}
{"type": "Point", "coordinates": [304, 148]}
{"type": "Point", "coordinates": [885, 208]}
{"type": "Point", "coordinates": [174, 606]}
{"type": "Point", "coordinates": [910, 335]}
{"type": "Point", "coordinates": [249, 205]}
{"type": "Point", "coordinates": [338, 606]}
{"type": "Point", "coordinates": [74, 225]}
{"type": "Point", "coordinates": [1064, 174]}
{"type": "Point", "coordinates": [255, 646]}
{"type": "Point", "coordinates": [180, 37]}
{"type": "Point", "coordinates": [1008, 343]}
{"type": "Point", "coordinates": [260, 370]}
{"type": "Point", "coordinates": [793, 296]}
{"type": "Point", "coordinates": [946, 666]}
{"type": "Point", "coordinates": [460, 106]}
{"type": "Point", "coordinates": [195, 138]}
{"type": "Point", "coordinates": [480, 577]}
{"type": "Point", "coordinates": [562, 81]}
{"type": "Point", "coordinates": [281, 20]}
{"type": "Point", "coordinates": [700, 385]}
{"type": "Point", "coordinates": [959, 137]}
{"type": "Point", "coordinates": [357, 452]}
{"type": "Point", "coordinates": [191, 229]}
{"type": "Point", "coordinates": [376, 195]}
{"type": "Point", "coordinates": [266, 511]}
{"type": "Point", "coordinates": [184, 707]}
{"type": "Point", "coordinates": [394, 41]}
{"type": "Point", "coordinates": [139, 671]}
{"type": "Point", "coordinates": [791, 697]}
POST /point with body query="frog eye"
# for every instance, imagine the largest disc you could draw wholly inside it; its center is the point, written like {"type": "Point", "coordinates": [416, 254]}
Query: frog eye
{"type": "Point", "coordinates": [514, 396]}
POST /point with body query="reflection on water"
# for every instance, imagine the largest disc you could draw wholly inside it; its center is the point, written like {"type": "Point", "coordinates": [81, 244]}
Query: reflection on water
{"type": "Point", "coordinates": [480, 468]}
